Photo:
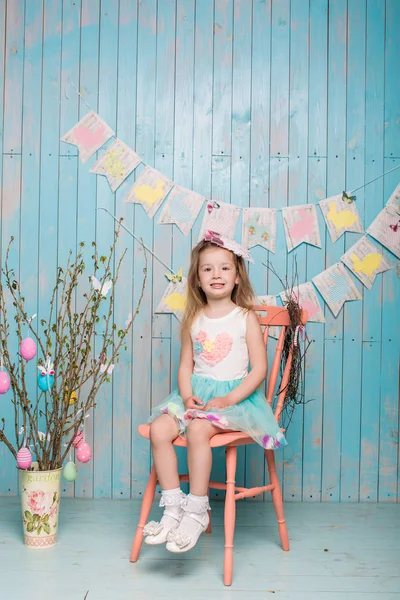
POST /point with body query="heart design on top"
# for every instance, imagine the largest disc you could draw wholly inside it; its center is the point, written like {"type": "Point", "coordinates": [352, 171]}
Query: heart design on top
{"type": "Point", "coordinates": [215, 350]}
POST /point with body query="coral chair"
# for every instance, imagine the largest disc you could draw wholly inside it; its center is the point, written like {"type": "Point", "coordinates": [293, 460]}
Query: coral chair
{"type": "Point", "coordinates": [272, 316]}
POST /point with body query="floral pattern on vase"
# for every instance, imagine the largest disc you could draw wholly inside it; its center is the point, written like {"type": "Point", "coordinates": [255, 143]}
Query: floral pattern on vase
{"type": "Point", "coordinates": [40, 498]}
{"type": "Point", "coordinates": [42, 512]}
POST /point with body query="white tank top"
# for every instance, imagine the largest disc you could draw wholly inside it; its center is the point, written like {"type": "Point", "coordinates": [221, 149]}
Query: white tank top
{"type": "Point", "coordinates": [219, 346]}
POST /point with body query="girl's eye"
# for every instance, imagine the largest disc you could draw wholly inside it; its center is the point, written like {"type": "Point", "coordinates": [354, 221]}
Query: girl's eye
{"type": "Point", "coordinates": [226, 268]}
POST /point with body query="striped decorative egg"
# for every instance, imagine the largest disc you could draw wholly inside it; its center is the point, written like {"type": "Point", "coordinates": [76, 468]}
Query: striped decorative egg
{"type": "Point", "coordinates": [24, 458]}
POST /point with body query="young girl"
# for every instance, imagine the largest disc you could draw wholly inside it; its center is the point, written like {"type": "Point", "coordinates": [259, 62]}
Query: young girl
{"type": "Point", "coordinates": [215, 390]}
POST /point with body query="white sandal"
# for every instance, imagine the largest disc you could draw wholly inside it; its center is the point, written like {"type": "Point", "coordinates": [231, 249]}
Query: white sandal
{"type": "Point", "coordinates": [179, 539]}
{"type": "Point", "coordinates": [156, 533]}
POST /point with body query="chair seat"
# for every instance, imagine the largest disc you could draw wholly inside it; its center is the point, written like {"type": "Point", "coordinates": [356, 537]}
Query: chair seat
{"type": "Point", "coordinates": [233, 438]}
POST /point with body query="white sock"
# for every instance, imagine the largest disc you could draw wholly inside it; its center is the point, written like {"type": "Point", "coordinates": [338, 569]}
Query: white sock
{"type": "Point", "coordinates": [198, 505]}
{"type": "Point", "coordinates": [172, 500]}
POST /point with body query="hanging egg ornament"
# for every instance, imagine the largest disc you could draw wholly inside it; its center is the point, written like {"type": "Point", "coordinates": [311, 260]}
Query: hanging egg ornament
{"type": "Point", "coordinates": [73, 398]}
{"type": "Point", "coordinates": [78, 439]}
{"type": "Point", "coordinates": [83, 452]}
{"type": "Point", "coordinates": [5, 382]}
{"type": "Point", "coordinates": [24, 458]}
{"type": "Point", "coordinates": [70, 471]}
{"type": "Point", "coordinates": [45, 379]}
{"type": "Point", "coordinates": [27, 348]}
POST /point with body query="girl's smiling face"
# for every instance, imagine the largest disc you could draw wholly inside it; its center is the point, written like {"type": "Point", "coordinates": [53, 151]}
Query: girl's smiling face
{"type": "Point", "coordinates": [217, 272]}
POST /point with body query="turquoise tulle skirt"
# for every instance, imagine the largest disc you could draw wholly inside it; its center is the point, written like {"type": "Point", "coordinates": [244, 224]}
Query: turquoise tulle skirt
{"type": "Point", "coordinates": [252, 416]}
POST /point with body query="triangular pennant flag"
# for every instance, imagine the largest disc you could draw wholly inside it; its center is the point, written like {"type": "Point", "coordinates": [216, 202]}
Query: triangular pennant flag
{"type": "Point", "coordinates": [336, 287]}
{"type": "Point", "coordinates": [149, 190]}
{"type": "Point", "coordinates": [269, 301]}
{"type": "Point", "coordinates": [340, 214]}
{"type": "Point", "coordinates": [301, 225]}
{"type": "Point", "coordinates": [116, 163]}
{"type": "Point", "coordinates": [386, 229]}
{"type": "Point", "coordinates": [221, 218]}
{"type": "Point", "coordinates": [181, 207]}
{"type": "Point", "coordinates": [307, 298]}
{"type": "Point", "coordinates": [394, 200]}
{"type": "Point", "coordinates": [88, 135]}
{"type": "Point", "coordinates": [365, 261]}
{"type": "Point", "coordinates": [174, 298]}
{"type": "Point", "coordinates": [259, 228]}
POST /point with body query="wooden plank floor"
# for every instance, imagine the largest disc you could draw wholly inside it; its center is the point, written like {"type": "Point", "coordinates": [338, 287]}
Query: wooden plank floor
{"type": "Point", "coordinates": [338, 552]}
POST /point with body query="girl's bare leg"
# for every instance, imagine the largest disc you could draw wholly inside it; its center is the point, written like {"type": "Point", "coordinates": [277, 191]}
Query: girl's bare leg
{"type": "Point", "coordinates": [195, 518]}
{"type": "Point", "coordinates": [198, 433]}
{"type": "Point", "coordinates": [163, 431]}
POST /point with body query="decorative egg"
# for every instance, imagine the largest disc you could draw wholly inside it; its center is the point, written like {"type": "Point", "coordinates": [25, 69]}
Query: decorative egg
{"type": "Point", "coordinates": [27, 348]}
{"type": "Point", "coordinates": [73, 398]}
{"type": "Point", "coordinates": [83, 452]}
{"type": "Point", "coordinates": [4, 382]}
{"type": "Point", "coordinates": [70, 471]}
{"type": "Point", "coordinates": [24, 458]}
{"type": "Point", "coordinates": [45, 381]}
{"type": "Point", "coordinates": [78, 439]}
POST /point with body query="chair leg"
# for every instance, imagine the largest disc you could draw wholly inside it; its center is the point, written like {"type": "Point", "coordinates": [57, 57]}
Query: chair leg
{"type": "Point", "coordinates": [147, 501]}
{"type": "Point", "coordinates": [230, 513]}
{"type": "Point", "coordinates": [209, 527]}
{"type": "Point", "coordinates": [277, 499]}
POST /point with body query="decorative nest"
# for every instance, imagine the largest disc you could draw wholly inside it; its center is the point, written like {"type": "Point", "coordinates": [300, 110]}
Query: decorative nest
{"type": "Point", "coordinates": [294, 389]}
{"type": "Point", "coordinates": [295, 386]}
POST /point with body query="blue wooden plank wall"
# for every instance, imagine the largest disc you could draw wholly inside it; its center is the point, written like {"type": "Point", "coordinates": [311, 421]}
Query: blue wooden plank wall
{"type": "Point", "coordinates": [254, 102]}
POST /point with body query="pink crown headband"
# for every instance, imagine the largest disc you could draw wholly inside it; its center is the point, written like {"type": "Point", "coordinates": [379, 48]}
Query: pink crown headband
{"type": "Point", "coordinates": [225, 242]}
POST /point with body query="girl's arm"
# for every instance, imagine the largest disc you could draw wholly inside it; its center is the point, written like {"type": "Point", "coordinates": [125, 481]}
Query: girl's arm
{"type": "Point", "coordinates": [258, 361]}
{"type": "Point", "coordinates": [185, 370]}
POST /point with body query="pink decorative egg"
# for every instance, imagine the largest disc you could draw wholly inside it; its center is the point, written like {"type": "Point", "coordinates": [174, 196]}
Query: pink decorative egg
{"type": "Point", "coordinates": [4, 382]}
{"type": "Point", "coordinates": [83, 453]}
{"type": "Point", "coordinates": [27, 348]}
{"type": "Point", "coordinates": [24, 458]}
{"type": "Point", "coordinates": [78, 439]}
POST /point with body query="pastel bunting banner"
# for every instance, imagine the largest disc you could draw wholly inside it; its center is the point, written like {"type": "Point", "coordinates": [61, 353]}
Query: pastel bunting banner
{"type": "Point", "coordinates": [266, 300]}
{"type": "Point", "coordinates": [301, 225]}
{"type": "Point", "coordinates": [336, 287]}
{"type": "Point", "coordinates": [116, 163]}
{"type": "Point", "coordinates": [88, 135]}
{"type": "Point", "coordinates": [365, 261]}
{"type": "Point", "coordinates": [221, 218]}
{"type": "Point", "coordinates": [174, 298]}
{"type": "Point", "coordinates": [394, 200]}
{"type": "Point", "coordinates": [259, 228]}
{"type": "Point", "coordinates": [386, 229]}
{"type": "Point", "coordinates": [181, 208]}
{"type": "Point", "coordinates": [149, 190]}
{"type": "Point", "coordinates": [340, 215]}
{"type": "Point", "coordinates": [306, 296]}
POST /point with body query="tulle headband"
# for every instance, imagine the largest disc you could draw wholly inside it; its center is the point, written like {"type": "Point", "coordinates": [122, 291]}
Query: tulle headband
{"type": "Point", "coordinates": [224, 242]}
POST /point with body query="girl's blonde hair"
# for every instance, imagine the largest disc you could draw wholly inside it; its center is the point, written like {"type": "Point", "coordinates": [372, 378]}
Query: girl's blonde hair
{"type": "Point", "coordinates": [242, 293]}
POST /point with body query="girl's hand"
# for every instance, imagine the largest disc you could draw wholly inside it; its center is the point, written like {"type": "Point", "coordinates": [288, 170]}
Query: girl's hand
{"type": "Point", "coordinates": [193, 402]}
{"type": "Point", "coordinates": [220, 402]}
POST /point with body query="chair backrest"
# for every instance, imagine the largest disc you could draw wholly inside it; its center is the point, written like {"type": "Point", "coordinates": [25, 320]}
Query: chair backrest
{"type": "Point", "coordinates": [277, 316]}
